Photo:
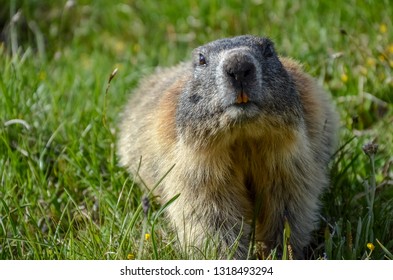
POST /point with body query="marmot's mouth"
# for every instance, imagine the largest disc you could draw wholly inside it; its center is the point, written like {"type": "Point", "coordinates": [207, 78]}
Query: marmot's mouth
{"type": "Point", "coordinates": [242, 97]}
{"type": "Point", "coordinates": [242, 111]}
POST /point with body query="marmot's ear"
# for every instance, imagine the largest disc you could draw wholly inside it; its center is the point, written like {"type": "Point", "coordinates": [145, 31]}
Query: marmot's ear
{"type": "Point", "coordinates": [267, 47]}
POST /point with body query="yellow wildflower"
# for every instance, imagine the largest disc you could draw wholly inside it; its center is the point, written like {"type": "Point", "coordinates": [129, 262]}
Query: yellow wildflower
{"type": "Point", "coordinates": [371, 246]}
{"type": "Point", "coordinates": [344, 77]}
{"type": "Point", "coordinates": [383, 28]}
{"type": "Point", "coordinates": [131, 256]}
{"type": "Point", "coordinates": [370, 61]}
{"type": "Point", "coordinates": [147, 236]}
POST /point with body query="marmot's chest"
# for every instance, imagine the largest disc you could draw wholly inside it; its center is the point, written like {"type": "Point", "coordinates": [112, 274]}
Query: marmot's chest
{"type": "Point", "coordinates": [262, 168]}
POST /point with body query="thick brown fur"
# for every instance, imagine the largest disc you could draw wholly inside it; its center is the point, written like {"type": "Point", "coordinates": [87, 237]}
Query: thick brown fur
{"type": "Point", "coordinates": [239, 178]}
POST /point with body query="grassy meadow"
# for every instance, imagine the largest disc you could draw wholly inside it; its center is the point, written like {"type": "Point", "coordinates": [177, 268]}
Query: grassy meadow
{"type": "Point", "coordinates": [62, 194]}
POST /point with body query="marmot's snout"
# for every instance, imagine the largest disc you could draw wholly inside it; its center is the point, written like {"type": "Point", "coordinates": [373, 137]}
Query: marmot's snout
{"type": "Point", "coordinates": [240, 69]}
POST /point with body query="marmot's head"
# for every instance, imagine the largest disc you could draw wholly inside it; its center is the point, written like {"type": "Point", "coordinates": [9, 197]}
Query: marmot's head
{"type": "Point", "coordinates": [237, 85]}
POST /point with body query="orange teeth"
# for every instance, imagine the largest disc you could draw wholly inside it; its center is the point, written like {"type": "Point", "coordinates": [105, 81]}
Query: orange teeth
{"type": "Point", "coordinates": [242, 98]}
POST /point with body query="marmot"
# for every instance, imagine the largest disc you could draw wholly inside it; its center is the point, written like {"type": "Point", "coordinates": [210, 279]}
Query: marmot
{"type": "Point", "coordinates": [249, 136]}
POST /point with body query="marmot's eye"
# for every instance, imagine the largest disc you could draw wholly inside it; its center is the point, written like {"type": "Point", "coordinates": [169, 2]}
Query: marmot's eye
{"type": "Point", "coordinates": [202, 59]}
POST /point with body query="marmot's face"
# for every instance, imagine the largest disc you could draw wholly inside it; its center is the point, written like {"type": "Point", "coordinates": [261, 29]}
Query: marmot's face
{"type": "Point", "coordinates": [236, 82]}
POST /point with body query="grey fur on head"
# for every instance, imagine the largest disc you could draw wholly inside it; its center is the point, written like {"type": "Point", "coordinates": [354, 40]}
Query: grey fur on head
{"type": "Point", "coordinates": [231, 66]}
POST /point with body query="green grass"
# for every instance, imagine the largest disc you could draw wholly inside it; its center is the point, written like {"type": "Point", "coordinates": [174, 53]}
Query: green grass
{"type": "Point", "coordinates": [62, 194]}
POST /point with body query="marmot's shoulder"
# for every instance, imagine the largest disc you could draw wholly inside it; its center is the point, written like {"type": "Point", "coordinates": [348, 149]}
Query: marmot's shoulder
{"type": "Point", "coordinates": [319, 113]}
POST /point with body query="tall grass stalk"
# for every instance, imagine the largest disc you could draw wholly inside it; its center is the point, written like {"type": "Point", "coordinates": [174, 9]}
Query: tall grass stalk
{"type": "Point", "coordinates": [370, 149]}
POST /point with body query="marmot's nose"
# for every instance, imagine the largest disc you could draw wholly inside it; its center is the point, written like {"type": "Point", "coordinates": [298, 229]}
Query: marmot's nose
{"type": "Point", "coordinates": [240, 69]}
